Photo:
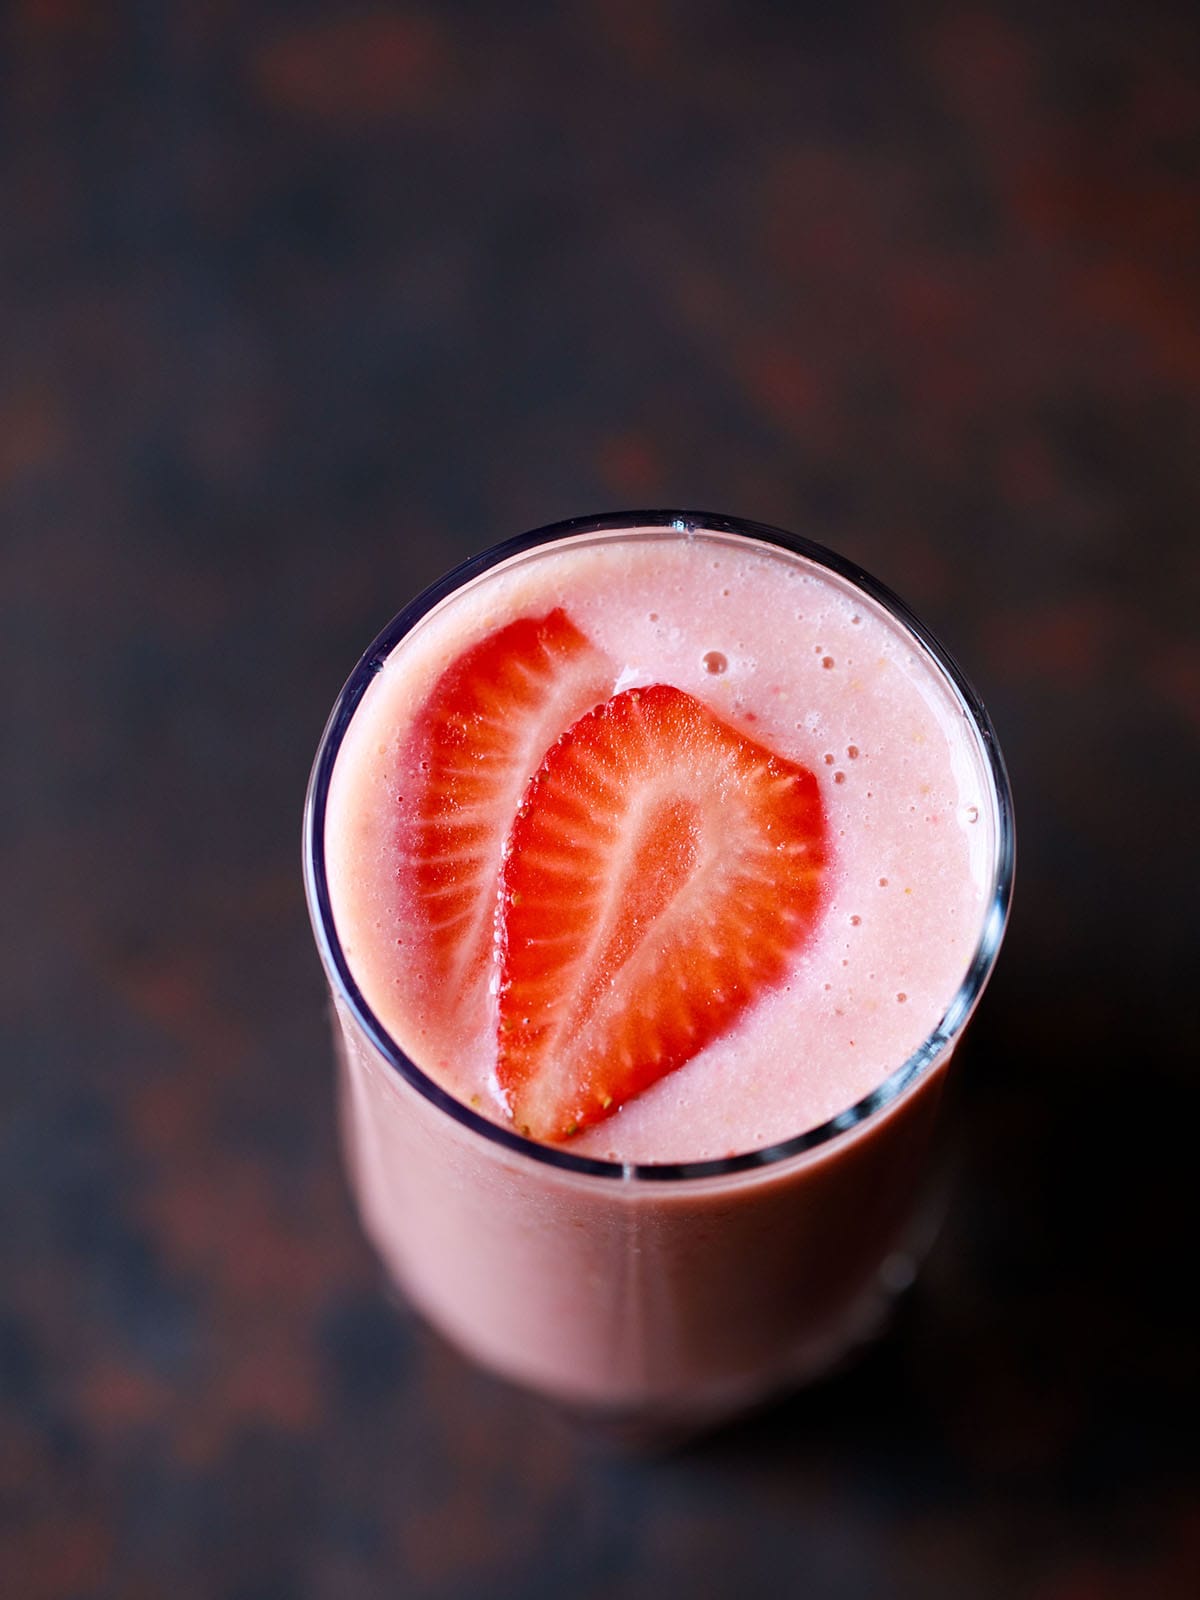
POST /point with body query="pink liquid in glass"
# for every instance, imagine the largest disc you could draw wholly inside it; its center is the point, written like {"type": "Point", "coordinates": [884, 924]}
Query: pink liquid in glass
{"type": "Point", "coordinates": [732, 1228]}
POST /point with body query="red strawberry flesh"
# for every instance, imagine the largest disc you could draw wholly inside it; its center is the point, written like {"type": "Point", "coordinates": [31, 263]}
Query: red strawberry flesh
{"type": "Point", "coordinates": [662, 873]}
{"type": "Point", "coordinates": [480, 735]}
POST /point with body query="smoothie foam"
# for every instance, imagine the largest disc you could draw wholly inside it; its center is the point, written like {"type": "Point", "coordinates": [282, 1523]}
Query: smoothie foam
{"type": "Point", "coordinates": [793, 657]}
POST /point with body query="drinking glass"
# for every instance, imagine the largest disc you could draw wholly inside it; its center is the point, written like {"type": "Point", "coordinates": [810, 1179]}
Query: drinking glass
{"type": "Point", "coordinates": [655, 1296]}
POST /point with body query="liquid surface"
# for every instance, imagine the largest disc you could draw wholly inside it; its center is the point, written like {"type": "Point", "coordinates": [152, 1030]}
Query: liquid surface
{"type": "Point", "coordinates": [799, 661]}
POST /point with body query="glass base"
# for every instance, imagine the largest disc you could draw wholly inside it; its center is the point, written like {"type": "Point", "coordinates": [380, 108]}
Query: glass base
{"type": "Point", "coordinates": [662, 1427]}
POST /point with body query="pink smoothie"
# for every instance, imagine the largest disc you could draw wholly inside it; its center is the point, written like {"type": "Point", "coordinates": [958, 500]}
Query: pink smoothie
{"type": "Point", "coordinates": [817, 674]}
{"type": "Point", "coordinates": [605, 1287]}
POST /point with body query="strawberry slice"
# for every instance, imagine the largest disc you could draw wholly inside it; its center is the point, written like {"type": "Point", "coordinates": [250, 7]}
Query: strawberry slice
{"type": "Point", "coordinates": [481, 734]}
{"type": "Point", "coordinates": [661, 874]}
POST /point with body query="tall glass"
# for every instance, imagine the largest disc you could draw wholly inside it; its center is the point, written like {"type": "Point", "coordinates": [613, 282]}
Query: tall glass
{"type": "Point", "coordinates": [658, 1295]}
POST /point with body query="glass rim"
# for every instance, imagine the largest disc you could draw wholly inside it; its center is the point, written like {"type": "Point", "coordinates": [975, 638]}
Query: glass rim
{"type": "Point", "coordinates": [887, 1093]}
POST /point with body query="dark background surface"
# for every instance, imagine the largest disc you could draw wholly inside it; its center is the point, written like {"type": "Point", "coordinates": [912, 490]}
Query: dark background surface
{"type": "Point", "coordinates": [303, 304]}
